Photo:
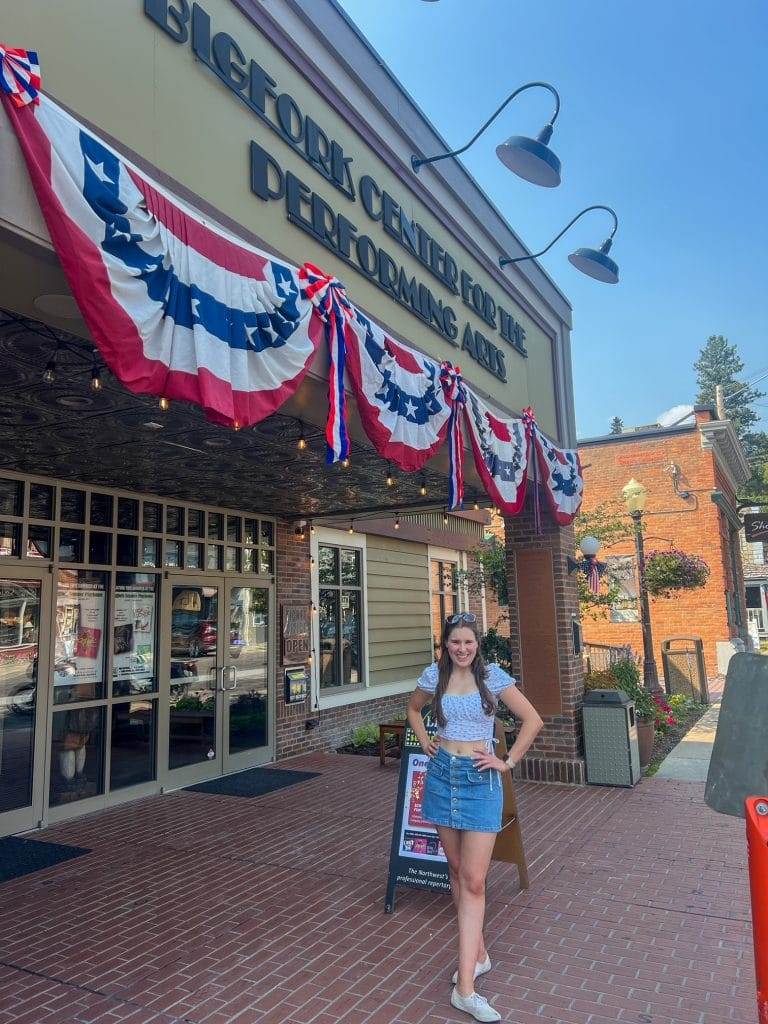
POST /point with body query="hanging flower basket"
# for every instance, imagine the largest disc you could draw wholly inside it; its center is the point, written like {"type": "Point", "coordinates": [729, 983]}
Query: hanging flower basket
{"type": "Point", "coordinates": [672, 570]}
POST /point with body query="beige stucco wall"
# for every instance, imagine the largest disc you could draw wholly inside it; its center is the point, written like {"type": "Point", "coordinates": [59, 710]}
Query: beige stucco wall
{"type": "Point", "coordinates": [112, 65]}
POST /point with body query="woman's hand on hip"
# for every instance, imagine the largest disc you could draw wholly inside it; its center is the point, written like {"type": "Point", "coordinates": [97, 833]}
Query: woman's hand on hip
{"type": "Point", "coordinates": [431, 747]}
{"type": "Point", "coordinates": [485, 761]}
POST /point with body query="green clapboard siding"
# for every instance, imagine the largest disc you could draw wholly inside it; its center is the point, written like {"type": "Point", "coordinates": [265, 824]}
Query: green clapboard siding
{"type": "Point", "coordinates": [399, 631]}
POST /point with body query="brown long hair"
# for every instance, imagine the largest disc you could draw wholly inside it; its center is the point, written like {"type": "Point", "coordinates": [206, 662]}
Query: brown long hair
{"type": "Point", "coordinates": [445, 667]}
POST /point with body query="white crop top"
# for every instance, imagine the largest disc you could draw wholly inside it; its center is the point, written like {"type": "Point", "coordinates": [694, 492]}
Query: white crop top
{"type": "Point", "coordinates": [464, 715]}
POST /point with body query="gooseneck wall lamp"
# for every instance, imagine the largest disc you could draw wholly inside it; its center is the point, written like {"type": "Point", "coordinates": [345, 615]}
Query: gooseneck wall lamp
{"type": "Point", "coordinates": [592, 262]}
{"type": "Point", "coordinates": [531, 159]}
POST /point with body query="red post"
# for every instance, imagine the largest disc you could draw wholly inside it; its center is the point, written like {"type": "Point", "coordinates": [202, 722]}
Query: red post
{"type": "Point", "coordinates": [757, 846]}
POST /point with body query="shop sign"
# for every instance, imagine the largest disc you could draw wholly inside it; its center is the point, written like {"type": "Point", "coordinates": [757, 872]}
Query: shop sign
{"type": "Point", "coordinates": [294, 634]}
{"type": "Point", "coordinates": [416, 855]}
{"type": "Point", "coordinates": [221, 54]}
{"type": "Point", "coordinates": [756, 527]}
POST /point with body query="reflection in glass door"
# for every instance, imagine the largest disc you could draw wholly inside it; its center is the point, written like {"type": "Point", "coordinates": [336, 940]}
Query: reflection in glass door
{"type": "Point", "coordinates": [23, 601]}
{"type": "Point", "coordinates": [246, 677]}
{"type": "Point", "coordinates": [194, 671]}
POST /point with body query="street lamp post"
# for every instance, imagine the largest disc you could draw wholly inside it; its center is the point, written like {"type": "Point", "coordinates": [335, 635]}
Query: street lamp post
{"type": "Point", "coordinates": [634, 496]}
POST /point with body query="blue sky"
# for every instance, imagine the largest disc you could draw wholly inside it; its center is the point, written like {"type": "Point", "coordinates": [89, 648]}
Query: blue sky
{"type": "Point", "coordinates": [664, 119]}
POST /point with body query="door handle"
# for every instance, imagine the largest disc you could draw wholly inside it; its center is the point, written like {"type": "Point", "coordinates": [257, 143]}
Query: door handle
{"type": "Point", "coordinates": [232, 676]}
{"type": "Point", "coordinates": [221, 672]}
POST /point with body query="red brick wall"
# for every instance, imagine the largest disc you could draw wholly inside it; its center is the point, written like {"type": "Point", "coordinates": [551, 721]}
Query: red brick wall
{"type": "Point", "coordinates": [696, 527]}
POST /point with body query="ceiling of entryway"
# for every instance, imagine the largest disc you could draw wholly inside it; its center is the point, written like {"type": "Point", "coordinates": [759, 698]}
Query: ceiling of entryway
{"type": "Point", "coordinates": [122, 440]}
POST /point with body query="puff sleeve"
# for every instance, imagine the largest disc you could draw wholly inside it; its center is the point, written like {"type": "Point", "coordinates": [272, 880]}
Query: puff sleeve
{"type": "Point", "coordinates": [427, 681]}
{"type": "Point", "coordinates": [498, 680]}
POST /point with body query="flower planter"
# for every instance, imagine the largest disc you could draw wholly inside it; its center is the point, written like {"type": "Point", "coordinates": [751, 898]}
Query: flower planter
{"type": "Point", "coordinates": [645, 738]}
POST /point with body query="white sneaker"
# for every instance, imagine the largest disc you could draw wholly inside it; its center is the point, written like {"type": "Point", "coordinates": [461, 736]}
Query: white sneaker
{"type": "Point", "coordinates": [482, 968]}
{"type": "Point", "coordinates": [476, 1005]}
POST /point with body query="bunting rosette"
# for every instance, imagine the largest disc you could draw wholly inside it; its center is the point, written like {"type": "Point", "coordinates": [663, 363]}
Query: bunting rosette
{"type": "Point", "coordinates": [399, 395]}
{"type": "Point", "coordinates": [20, 75]}
{"type": "Point", "coordinates": [456, 395]}
{"type": "Point", "coordinates": [501, 449]}
{"type": "Point", "coordinates": [329, 299]}
{"type": "Point", "coordinates": [177, 307]}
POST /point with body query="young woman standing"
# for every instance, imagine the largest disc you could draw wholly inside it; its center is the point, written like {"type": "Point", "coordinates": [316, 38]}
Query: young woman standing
{"type": "Point", "coordinates": [463, 793]}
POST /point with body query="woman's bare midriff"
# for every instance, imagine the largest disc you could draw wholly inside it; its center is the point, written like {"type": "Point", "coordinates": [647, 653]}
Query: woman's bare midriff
{"type": "Point", "coordinates": [462, 748]}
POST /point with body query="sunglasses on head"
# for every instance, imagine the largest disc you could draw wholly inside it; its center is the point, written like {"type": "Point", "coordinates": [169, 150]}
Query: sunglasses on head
{"type": "Point", "coordinates": [460, 617]}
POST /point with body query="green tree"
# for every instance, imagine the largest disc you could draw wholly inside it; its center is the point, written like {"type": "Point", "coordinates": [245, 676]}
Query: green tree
{"type": "Point", "coordinates": [719, 363]}
{"type": "Point", "coordinates": [617, 425]}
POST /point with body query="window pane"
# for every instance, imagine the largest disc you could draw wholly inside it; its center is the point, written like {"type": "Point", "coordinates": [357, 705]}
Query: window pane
{"type": "Point", "coordinates": [329, 637]}
{"type": "Point", "coordinates": [40, 501]}
{"type": "Point", "coordinates": [19, 639]}
{"type": "Point", "coordinates": [233, 559]}
{"type": "Point", "coordinates": [72, 505]}
{"type": "Point", "coordinates": [11, 497]}
{"type": "Point", "coordinates": [251, 531]}
{"type": "Point", "coordinates": [194, 556]}
{"type": "Point", "coordinates": [77, 755]}
{"type": "Point", "coordinates": [195, 521]}
{"type": "Point", "coordinates": [174, 520]}
{"type": "Point", "coordinates": [71, 545]}
{"type": "Point", "coordinates": [350, 566]}
{"type": "Point", "coordinates": [266, 562]}
{"type": "Point", "coordinates": [153, 517]}
{"type": "Point", "coordinates": [127, 550]}
{"type": "Point", "coordinates": [174, 554]}
{"type": "Point", "coordinates": [328, 564]}
{"type": "Point", "coordinates": [40, 542]}
{"type": "Point", "coordinates": [101, 509]}
{"type": "Point", "coordinates": [10, 538]}
{"type": "Point", "coordinates": [194, 642]}
{"type": "Point", "coordinates": [100, 548]}
{"type": "Point", "coordinates": [78, 672]}
{"type": "Point", "coordinates": [351, 632]}
{"type": "Point", "coordinates": [267, 534]}
{"type": "Point", "coordinates": [233, 529]}
{"type": "Point", "coordinates": [150, 551]}
{"type": "Point", "coordinates": [133, 743]}
{"type": "Point", "coordinates": [621, 570]}
{"type": "Point", "coordinates": [215, 557]}
{"type": "Point", "coordinates": [127, 514]}
{"type": "Point", "coordinates": [249, 560]}
{"type": "Point", "coordinates": [215, 526]}
{"type": "Point", "coordinates": [134, 632]}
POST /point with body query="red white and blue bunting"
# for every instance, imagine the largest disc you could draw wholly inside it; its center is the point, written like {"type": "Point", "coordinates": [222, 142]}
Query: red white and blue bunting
{"type": "Point", "coordinates": [181, 308]}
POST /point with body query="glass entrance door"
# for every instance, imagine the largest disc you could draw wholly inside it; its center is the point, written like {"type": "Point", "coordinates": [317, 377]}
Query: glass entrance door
{"type": "Point", "coordinates": [24, 631]}
{"type": "Point", "coordinates": [220, 667]}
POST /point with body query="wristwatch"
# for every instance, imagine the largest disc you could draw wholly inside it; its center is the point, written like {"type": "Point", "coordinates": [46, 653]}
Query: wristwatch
{"type": "Point", "coordinates": [507, 759]}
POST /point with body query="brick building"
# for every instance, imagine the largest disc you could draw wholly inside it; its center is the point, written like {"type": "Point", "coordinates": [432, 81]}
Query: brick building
{"type": "Point", "coordinates": [167, 583]}
{"type": "Point", "coordinates": [691, 472]}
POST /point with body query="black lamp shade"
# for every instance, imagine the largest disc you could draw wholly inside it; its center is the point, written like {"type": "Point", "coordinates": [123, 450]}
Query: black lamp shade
{"type": "Point", "coordinates": [530, 159]}
{"type": "Point", "coordinates": [596, 264]}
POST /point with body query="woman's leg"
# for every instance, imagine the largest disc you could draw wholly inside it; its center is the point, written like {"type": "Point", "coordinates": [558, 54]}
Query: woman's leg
{"type": "Point", "coordinates": [476, 851]}
{"type": "Point", "coordinates": [451, 842]}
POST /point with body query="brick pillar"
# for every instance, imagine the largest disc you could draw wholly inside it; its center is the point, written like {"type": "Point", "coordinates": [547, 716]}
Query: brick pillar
{"type": "Point", "coordinates": [543, 601]}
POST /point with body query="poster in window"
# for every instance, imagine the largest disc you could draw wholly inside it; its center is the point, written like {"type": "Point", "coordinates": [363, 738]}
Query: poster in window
{"type": "Point", "coordinates": [80, 607]}
{"type": "Point", "coordinates": [133, 660]}
{"type": "Point", "coordinates": [294, 633]}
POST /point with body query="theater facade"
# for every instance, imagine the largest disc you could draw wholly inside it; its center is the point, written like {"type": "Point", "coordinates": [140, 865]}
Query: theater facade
{"type": "Point", "coordinates": [188, 587]}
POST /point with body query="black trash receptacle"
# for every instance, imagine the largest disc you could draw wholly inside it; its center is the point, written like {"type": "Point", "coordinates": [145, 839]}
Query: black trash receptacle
{"type": "Point", "coordinates": [611, 750]}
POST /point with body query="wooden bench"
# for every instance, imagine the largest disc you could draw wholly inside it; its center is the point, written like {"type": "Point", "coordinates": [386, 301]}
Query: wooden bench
{"type": "Point", "coordinates": [390, 729]}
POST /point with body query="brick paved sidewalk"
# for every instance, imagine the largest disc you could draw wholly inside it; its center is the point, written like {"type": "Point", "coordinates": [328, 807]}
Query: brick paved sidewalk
{"type": "Point", "coordinates": [218, 910]}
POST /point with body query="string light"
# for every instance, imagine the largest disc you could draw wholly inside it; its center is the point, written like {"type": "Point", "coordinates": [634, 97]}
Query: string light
{"type": "Point", "coordinates": [164, 403]}
{"type": "Point", "coordinates": [49, 373]}
{"type": "Point", "coordinates": [345, 463]}
{"type": "Point", "coordinates": [351, 527]}
{"type": "Point", "coordinates": [445, 518]}
{"type": "Point", "coordinates": [312, 529]}
{"type": "Point", "coordinates": [423, 488]}
{"type": "Point", "coordinates": [390, 478]}
{"type": "Point", "coordinates": [301, 444]}
{"type": "Point", "coordinates": [236, 425]}
{"type": "Point", "coordinates": [95, 376]}
{"type": "Point", "coordinates": [397, 522]}
{"type": "Point", "coordinates": [477, 505]}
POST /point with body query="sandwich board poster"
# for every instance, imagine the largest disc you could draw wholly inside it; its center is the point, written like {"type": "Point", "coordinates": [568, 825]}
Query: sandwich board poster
{"type": "Point", "coordinates": [416, 856]}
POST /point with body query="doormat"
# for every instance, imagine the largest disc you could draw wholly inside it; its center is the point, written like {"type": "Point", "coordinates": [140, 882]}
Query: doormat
{"type": "Point", "coordinates": [23, 856]}
{"type": "Point", "coordinates": [254, 782]}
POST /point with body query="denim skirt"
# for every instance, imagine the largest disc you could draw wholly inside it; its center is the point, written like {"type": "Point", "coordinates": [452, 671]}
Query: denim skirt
{"type": "Point", "coordinates": [456, 794]}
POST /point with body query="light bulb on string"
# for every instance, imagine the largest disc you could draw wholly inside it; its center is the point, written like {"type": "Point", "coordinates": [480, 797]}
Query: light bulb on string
{"type": "Point", "coordinates": [445, 517]}
{"type": "Point", "coordinates": [236, 425]}
{"type": "Point", "coordinates": [390, 478]}
{"type": "Point", "coordinates": [164, 403]}
{"type": "Point", "coordinates": [397, 522]}
{"type": "Point", "coordinates": [351, 527]}
{"type": "Point", "coordinates": [423, 488]}
{"type": "Point", "coordinates": [301, 444]}
{"type": "Point", "coordinates": [312, 529]}
{"type": "Point", "coordinates": [95, 376]}
{"type": "Point", "coordinates": [345, 463]}
{"type": "Point", "coordinates": [49, 373]}
{"type": "Point", "coordinates": [477, 505]}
